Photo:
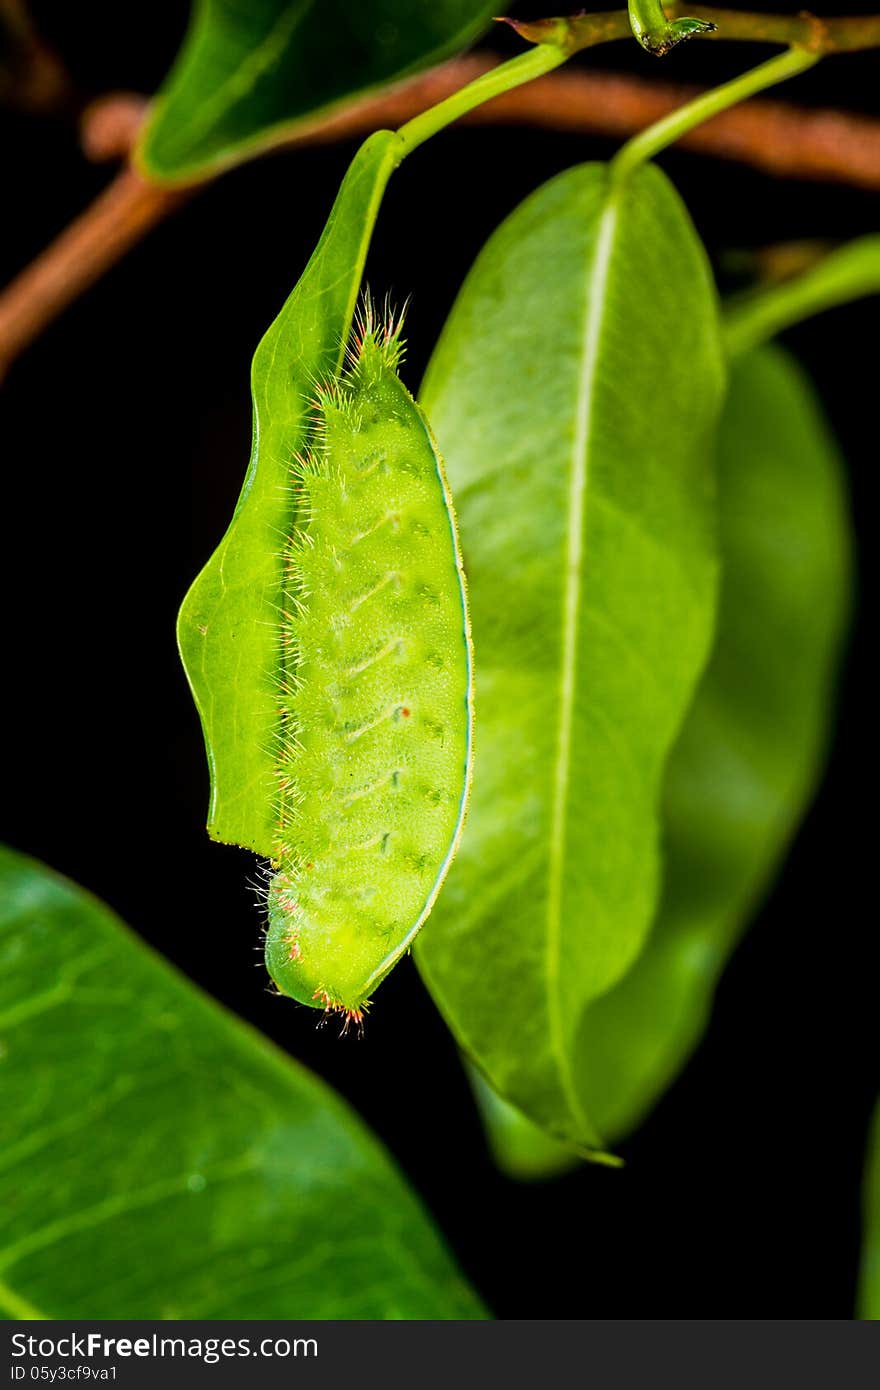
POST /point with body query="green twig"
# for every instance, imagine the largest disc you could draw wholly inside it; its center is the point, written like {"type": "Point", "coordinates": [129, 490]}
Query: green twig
{"type": "Point", "coordinates": [846, 34]}
{"type": "Point", "coordinates": [849, 273]}
{"type": "Point", "coordinates": [504, 78]}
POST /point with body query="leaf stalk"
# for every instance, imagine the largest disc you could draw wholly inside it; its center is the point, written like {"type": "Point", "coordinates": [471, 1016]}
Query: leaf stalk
{"type": "Point", "coordinates": [665, 132]}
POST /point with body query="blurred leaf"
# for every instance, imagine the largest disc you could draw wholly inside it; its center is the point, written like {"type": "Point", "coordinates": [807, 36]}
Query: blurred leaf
{"type": "Point", "coordinates": [519, 1148]}
{"type": "Point", "coordinates": [228, 628]}
{"type": "Point", "coordinates": [162, 1160]}
{"type": "Point", "coordinates": [249, 73]}
{"type": "Point", "coordinates": [849, 272]}
{"type": "Point", "coordinates": [869, 1286]}
{"type": "Point", "coordinates": [745, 767]}
{"type": "Point", "coordinates": [574, 393]}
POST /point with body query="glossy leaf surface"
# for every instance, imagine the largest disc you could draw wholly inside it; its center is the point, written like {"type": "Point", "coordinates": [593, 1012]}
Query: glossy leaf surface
{"type": "Point", "coordinates": [249, 73]}
{"type": "Point", "coordinates": [574, 395]}
{"type": "Point", "coordinates": [161, 1160]}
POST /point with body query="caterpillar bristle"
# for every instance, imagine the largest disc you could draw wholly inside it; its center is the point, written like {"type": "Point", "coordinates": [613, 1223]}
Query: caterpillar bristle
{"type": "Point", "coordinates": [375, 333]}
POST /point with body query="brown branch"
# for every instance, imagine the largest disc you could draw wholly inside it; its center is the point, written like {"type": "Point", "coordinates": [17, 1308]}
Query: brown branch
{"type": "Point", "coordinates": [783, 140]}
{"type": "Point", "coordinates": [786, 141]}
{"type": "Point", "coordinates": [109, 125]}
{"type": "Point", "coordinates": [99, 237]}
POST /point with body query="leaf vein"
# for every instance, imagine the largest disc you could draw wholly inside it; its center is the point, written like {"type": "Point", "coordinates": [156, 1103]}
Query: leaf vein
{"type": "Point", "coordinates": [596, 295]}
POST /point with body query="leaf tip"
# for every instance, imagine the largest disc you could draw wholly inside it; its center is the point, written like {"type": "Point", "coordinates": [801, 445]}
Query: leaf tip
{"type": "Point", "coordinates": [603, 1159]}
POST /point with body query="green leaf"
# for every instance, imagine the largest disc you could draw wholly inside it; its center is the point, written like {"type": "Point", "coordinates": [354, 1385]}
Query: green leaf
{"type": "Point", "coordinates": [656, 33]}
{"type": "Point", "coordinates": [519, 1148]}
{"type": "Point", "coordinates": [745, 767]}
{"type": "Point", "coordinates": [574, 394]}
{"type": "Point", "coordinates": [250, 73]}
{"type": "Point", "coordinates": [162, 1160]}
{"type": "Point", "coordinates": [869, 1284]}
{"type": "Point", "coordinates": [228, 628]}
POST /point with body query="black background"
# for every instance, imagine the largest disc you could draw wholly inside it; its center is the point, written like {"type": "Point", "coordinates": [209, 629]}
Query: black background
{"type": "Point", "coordinates": [126, 431]}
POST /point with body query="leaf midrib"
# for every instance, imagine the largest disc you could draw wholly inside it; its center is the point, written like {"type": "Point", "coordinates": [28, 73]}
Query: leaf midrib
{"type": "Point", "coordinates": [595, 302]}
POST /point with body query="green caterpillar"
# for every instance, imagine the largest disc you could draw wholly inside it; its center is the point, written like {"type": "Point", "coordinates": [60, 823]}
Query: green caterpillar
{"type": "Point", "coordinates": [377, 708]}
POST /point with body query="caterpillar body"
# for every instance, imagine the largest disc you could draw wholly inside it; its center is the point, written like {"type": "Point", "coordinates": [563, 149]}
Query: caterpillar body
{"type": "Point", "coordinates": [377, 709]}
